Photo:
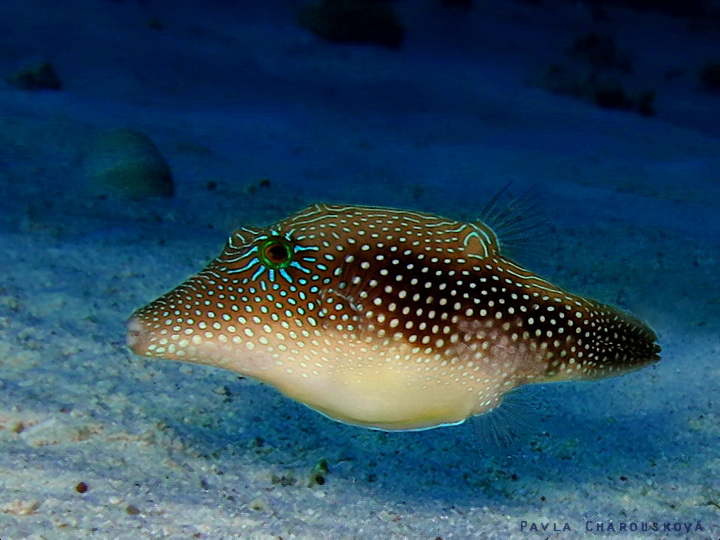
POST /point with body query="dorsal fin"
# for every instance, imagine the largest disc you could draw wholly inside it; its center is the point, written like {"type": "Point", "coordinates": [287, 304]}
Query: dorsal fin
{"type": "Point", "coordinates": [517, 220]}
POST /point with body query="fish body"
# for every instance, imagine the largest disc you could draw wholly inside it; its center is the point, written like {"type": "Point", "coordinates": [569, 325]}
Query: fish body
{"type": "Point", "coordinates": [387, 319]}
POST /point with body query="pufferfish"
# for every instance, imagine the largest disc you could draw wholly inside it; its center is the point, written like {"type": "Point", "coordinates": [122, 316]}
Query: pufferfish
{"type": "Point", "coordinates": [387, 319]}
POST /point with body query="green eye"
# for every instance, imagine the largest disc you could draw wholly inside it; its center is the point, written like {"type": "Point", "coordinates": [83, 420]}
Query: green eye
{"type": "Point", "coordinates": [276, 253]}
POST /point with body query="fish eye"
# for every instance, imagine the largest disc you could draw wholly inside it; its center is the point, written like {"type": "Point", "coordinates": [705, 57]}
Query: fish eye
{"type": "Point", "coordinates": [276, 252]}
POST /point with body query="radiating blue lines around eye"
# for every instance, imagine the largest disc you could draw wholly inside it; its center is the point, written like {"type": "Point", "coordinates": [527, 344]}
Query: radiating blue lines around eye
{"type": "Point", "coordinates": [254, 264]}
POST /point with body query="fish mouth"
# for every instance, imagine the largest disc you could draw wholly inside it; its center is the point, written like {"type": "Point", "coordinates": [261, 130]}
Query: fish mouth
{"type": "Point", "coordinates": [137, 336]}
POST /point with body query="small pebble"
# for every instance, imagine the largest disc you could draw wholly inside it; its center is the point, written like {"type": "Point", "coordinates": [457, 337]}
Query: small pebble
{"type": "Point", "coordinates": [132, 510]}
{"type": "Point", "coordinates": [40, 76]}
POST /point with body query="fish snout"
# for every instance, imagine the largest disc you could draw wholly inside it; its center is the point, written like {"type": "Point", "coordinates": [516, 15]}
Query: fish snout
{"type": "Point", "coordinates": [138, 336]}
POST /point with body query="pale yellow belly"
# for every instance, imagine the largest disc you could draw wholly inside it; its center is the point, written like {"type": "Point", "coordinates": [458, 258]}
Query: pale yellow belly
{"type": "Point", "coordinates": [388, 396]}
